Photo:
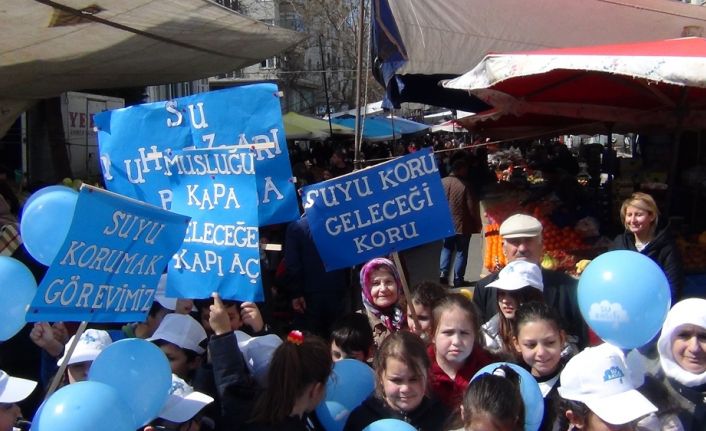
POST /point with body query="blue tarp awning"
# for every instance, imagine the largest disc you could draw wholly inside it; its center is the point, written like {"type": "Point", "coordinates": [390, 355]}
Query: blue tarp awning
{"type": "Point", "coordinates": [382, 128]}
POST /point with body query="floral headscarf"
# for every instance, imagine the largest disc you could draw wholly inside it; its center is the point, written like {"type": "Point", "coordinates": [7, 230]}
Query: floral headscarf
{"type": "Point", "coordinates": [393, 317]}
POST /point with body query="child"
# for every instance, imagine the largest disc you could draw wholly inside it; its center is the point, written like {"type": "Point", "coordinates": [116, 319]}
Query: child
{"type": "Point", "coordinates": [493, 402]}
{"type": "Point", "coordinates": [455, 353]}
{"type": "Point", "coordinates": [401, 367]}
{"type": "Point", "coordinates": [382, 296]}
{"type": "Point", "coordinates": [243, 316]}
{"type": "Point", "coordinates": [519, 282]}
{"type": "Point", "coordinates": [425, 295]}
{"type": "Point", "coordinates": [539, 341]}
{"type": "Point", "coordinates": [597, 392]}
{"type": "Point", "coordinates": [301, 367]}
{"type": "Point", "coordinates": [180, 338]}
{"type": "Point", "coordinates": [182, 410]}
{"type": "Point", "coordinates": [90, 344]}
{"type": "Point", "coordinates": [352, 337]}
{"type": "Point", "coordinates": [12, 391]}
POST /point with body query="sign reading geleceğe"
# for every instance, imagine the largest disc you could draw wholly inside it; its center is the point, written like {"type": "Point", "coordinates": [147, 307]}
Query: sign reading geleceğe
{"type": "Point", "coordinates": [140, 146]}
{"type": "Point", "coordinates": [370, 213]}
{"type": "Point", "coordinates": [110, 264]}
{"type": "Point", "coordinates": [221, 250]}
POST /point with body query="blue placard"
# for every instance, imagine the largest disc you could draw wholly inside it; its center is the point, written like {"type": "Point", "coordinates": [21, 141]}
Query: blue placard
{"type": "Point", "coordinates": [221, 249]}
{"type": "Point", "coordinates": [137, 145]}
{"type": "Point", "coordinates": [110, 264]}
{"type": "Point", "coordinates": [370, 213]}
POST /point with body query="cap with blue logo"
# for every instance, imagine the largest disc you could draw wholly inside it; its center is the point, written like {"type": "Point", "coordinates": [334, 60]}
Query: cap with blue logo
{"type": "Point", "coordinates": [600, 378]}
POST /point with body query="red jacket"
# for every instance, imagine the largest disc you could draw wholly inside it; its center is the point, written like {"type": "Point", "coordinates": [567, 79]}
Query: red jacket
{"type": "Point", "coordinates": [450, 392]}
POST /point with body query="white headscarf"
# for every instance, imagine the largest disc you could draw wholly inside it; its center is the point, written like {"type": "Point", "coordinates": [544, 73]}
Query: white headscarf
{"type": "Point", "coordinates": [689, 311]}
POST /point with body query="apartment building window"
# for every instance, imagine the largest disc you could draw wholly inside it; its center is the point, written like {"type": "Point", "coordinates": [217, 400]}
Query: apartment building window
{"type": "Point", "coordinates": [270, 63]}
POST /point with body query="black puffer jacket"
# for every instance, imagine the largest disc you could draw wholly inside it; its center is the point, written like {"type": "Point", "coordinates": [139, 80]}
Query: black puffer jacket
{"type": "Point", "coordinates": [663, 250]}
{"type": "Point", "coordinates": [431, 415]}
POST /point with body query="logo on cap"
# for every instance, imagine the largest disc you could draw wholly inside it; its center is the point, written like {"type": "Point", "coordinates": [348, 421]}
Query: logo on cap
{"type": "Point", "coordinates": [613, 373]}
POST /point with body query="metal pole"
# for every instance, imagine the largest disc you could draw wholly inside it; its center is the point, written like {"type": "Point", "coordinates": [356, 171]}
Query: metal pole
{"type": "Point", "coordinates": [323, 67]}
{"type": "Point", "coordinates": [358, 79]}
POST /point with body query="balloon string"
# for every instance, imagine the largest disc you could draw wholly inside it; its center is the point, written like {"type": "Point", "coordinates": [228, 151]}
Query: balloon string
{"type": "Point", "coordinates": [62, 368]}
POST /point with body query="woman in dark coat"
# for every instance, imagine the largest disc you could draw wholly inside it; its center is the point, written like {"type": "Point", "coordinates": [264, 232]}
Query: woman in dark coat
{"type": "Point", "coordinates": [644, 233]}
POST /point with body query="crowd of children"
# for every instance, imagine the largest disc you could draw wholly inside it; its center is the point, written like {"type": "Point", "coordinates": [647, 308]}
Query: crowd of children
{"type": "Point", "coordinates": [425, 372]}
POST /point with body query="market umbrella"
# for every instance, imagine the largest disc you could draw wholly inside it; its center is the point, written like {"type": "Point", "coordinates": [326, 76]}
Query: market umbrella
{"type": "Point", "coordinates": [298, 126]}
{"type": "Point", "coordinates": [641, 85]}
{"type": "Point", "coordinates": [383, 129]}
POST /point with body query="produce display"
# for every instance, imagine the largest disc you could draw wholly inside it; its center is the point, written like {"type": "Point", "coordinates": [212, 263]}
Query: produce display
{"type": "Point", "coordinates": [564, 247]}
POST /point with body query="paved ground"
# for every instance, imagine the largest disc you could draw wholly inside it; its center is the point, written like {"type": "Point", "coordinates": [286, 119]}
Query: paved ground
{"type": "Point", "coordinates": [423, 262]}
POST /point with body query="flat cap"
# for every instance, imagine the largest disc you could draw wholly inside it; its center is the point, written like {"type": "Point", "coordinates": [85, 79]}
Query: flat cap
{"type": "Point", "coordinates": [520, 226]}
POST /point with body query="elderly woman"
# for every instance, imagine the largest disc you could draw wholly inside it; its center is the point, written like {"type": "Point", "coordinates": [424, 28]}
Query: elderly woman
{"type": "Point", "coordinates": [682, 356]}
{"type": "Point", "coordinates": [383, 299]}
{"type": "Point", "coordinates": [646, 234]}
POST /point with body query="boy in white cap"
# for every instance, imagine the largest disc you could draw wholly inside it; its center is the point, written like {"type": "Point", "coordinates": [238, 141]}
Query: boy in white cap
{"type": "Point", "coordinates": [90, 344]}
{"type": "Point", "coordinates": [12, 391]}
{"type": "Point", "coordinates": [517, 283]}
{"type": "Point", "coordinates": [522, 240]}
{"type": "Point", "coordinates": [180, 337]}
{"type": "Point", "coordinates": [182, 410]}
{"type": "Point", "coordinates": [598, 393]}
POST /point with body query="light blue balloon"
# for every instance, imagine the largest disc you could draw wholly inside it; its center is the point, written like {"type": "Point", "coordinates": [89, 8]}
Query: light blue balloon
{"type": "Point", "coordinates": [139, 372]}
{"type": "Point", "coordinates": [349, 384]}
{"type": "Point", "coordinates": [17, 289]}
{"type": "Point", "coordinates": [389, 425]}
{"type": "Point", "coordinates": [529, 389]}
{"type": "Point", "coordinates": [624, 297]}
{"type": "Point", "coordinates": [45, 190]}
{"type": "Point", "coordinates": [84, 406]}
{"type": "Point", "coordinates": [46, 221]}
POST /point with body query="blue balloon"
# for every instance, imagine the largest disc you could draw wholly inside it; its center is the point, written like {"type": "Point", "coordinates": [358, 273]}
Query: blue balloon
{"type": "Point", "coordinates": [84, 406]}
{"type": "Point", "coordinates": [529, 389]}
{"type": "Point", "coordinates": [624, 297]}
{"type": "Point", "coordinates": [17, 289]}
{"type": "Point", "coordinates": [139, 371]}
{"type": "Point", "coordinates": [45, 190]}
{"type": "Point", "coordinates": [389, 425]}
{"type": "Point", "coordinates": [46, 221]}
{"type": "Point", "coordinates": [350, 383]}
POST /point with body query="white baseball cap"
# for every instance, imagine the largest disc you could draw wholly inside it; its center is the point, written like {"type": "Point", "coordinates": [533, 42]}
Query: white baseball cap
{"type": "Point", "coordinates": [599, 378]}
{"type": "Point", "coordinates": [181, 330]}
{"type": "Point", "coordinates": [520, 226]}
{"type": "Point", "coordinates": [258, 352]}
{"type": "Point", "coordinates": [183, 402]}
{"type": "Point", "coordinates": [518, 274]}
{"type": "Point", "coordinates": [160, 295]}
{"type": "Point", "coordinates": [14, 389]}
{"type": "Point", "coordinates": [90, 344]}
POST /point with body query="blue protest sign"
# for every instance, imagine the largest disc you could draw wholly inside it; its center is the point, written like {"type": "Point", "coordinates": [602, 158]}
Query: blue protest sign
{"type": "Point", "coordinates": [110, 264]}
{"type": "Point", "coordinates": [221, 249]}
{"type": "Point", "coordinates": [137, 145]}
{"type": "Point", "coordinates": [370, 213]}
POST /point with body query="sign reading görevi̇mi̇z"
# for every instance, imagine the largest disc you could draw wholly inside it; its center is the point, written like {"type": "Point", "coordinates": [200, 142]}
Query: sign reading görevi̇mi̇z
{"type": "Point", "coordinates": [110, 263]}
{"type": "Point", "coordinates": [370, 213]}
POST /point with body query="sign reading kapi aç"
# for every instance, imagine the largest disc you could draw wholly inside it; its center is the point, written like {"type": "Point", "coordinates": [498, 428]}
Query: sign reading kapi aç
{"type": "Point", "coordinates": [370, 213]}
{"type": "Point", "coordinates": [140, 146]}
{"type": "Point", "coordinates": [221, 248]}
{"type": "Point", "coordinates": [110, 264]}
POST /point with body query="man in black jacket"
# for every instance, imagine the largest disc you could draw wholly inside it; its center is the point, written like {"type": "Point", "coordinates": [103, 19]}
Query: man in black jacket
{"type": "Point", "coordinates": [522, 239]}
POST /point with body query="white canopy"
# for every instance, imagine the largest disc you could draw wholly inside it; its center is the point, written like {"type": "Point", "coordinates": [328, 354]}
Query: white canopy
{"type": "Point", "coordinates": [452, 36]}
{"type": "Point", "coordinates": [48, 47]}
{"type": "Point", "coordinates": [418, 43]}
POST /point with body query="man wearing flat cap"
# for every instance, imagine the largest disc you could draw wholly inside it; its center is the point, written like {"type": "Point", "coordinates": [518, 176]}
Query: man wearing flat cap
{"type": "Point", "coordinates": [522, 240]}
